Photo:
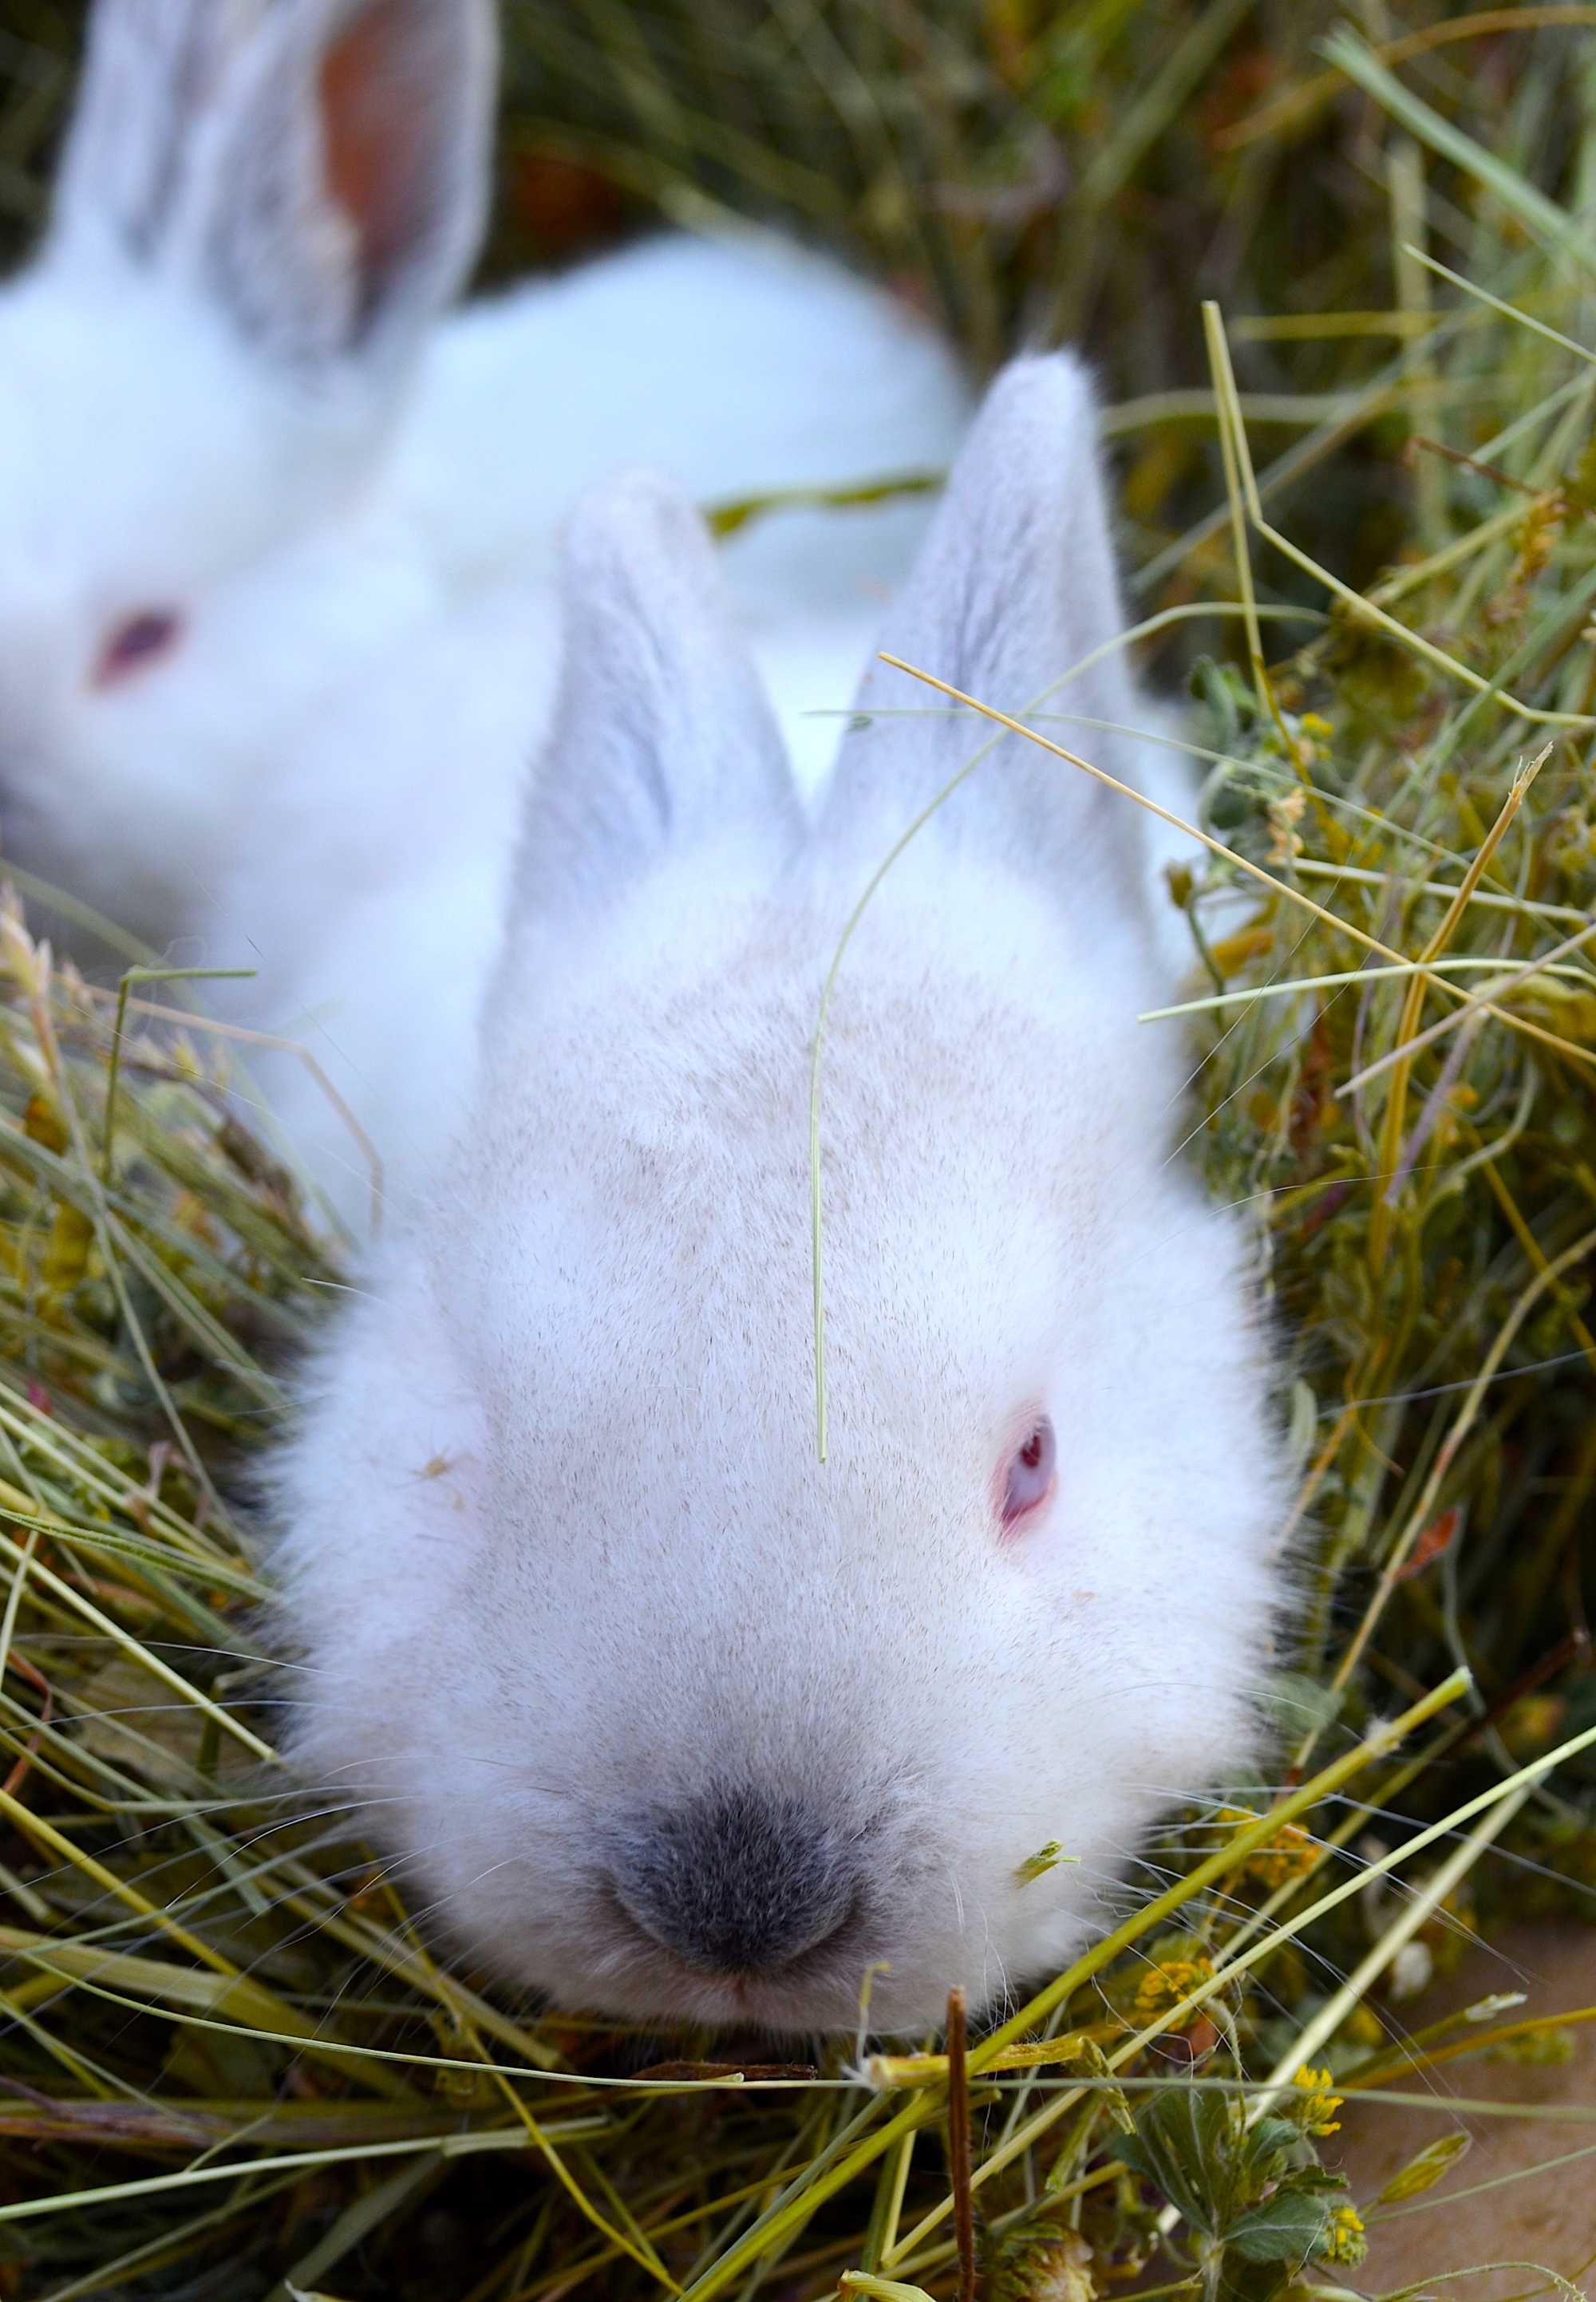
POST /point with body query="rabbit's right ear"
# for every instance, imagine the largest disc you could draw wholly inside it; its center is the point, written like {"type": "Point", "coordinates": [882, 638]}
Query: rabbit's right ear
{"type": "Point", "coordinates": [1014, 596]}
{"type": "Point", "coordinates": [662, 738]}
{"type": "Point", "coordinates": [152, 70]}
{"type": "Point", "coordinates": [344, 188]}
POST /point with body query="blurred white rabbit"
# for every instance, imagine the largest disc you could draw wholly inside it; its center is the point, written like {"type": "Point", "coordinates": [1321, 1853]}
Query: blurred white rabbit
{"type": "Point", "coordinates": [246, 462]}
{"type": "Point", "coordinates": [667, 1718]}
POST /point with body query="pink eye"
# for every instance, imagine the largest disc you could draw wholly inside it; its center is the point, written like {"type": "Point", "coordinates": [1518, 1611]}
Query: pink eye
{"type": "Point", "coordinates": [1030, 1474]}
{"type": "Point", "coordinates": [138, 642]}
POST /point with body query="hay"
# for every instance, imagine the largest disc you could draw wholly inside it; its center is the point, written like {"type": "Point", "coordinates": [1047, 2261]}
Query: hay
{"type": "Point", "coordinates": [230, 2064]}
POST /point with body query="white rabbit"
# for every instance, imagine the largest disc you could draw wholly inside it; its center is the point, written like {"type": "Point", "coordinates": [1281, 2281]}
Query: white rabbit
{"type": "Point", "coordinates": [669, 1718]}
{"type": "Point", "coordinates": [367, 895]}
{"type": "Point", "coordinates": [243, 458]}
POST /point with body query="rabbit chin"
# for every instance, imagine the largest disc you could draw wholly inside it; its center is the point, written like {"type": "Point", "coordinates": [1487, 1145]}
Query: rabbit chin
{"type": "Point", "coordinates": [901, 1988]}
{"type": "Point", "coordinates": [895, 1980]}
{"type": "Point", "coordinates": [916, 1935]}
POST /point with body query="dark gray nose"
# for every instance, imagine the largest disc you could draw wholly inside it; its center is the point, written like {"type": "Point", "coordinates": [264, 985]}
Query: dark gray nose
{"type": "Point", "coordinates": [737, 1883]}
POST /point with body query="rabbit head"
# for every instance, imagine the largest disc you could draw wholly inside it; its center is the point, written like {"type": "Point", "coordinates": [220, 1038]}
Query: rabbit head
{"type": "Point", "coordinates": [672, 1717]}
{"type": "Point", "coordinates": [259, 211]}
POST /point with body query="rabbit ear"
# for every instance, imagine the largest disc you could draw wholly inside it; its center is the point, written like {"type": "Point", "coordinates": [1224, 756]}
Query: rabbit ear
{"type": "Point", "coordinates": [1014, 588]}
{"type": "Point", "coordinates": [662, 735]}
{"type": "Point", "coordinates": [152, 72]}
{"type": "Point", "coordinates": [347, 186]}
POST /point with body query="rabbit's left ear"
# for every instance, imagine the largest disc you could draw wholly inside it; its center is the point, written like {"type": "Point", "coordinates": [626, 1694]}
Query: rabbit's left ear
{"type": "Point", "coordinates": [347, 185]}
{"type": "Point", "coordinates": [662, 739]}
{"type": "Point", "coordinates": [153, 73]}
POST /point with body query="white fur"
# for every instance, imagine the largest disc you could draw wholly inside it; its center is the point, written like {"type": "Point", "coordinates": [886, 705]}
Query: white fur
{"type": "Point", "coordinates": [555, 1540]}
{"type": "Point", "coordinates": [367, 891]}
{"type": "Point", "coordinates": [227, 392]}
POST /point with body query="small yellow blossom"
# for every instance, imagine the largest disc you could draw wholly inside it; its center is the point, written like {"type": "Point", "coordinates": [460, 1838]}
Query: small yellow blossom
{"type": "Point", "coordinates": [1318, 2112]}
{"type": "Point", "coordinates": [1343, 2239]}
{"type": "Point", "coordinates": [1292, 1853]}
{"type": "Point", "coordinates": [1165, 1985]}
{"type": "Point", "coordinates": [1312, 724]}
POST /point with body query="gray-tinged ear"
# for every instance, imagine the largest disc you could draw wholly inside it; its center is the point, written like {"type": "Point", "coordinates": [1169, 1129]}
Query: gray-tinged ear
{"type": "Point", "coordinates": [347, 185]}
{"type": "Point", "coordinates": [1014, 588]}
{"type": "Point", "coordinates": [662, 737]}
{"type": "Point", "coordinates": [153, 71]}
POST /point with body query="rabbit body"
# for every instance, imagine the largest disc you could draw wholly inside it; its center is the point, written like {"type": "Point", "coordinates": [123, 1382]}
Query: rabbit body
{"type": "Point", "coordinates": [740, 366]}
{"type": "Point", "coordinates": [668, 1718]}
{"type": "Point", "coordinates": [371, 920]}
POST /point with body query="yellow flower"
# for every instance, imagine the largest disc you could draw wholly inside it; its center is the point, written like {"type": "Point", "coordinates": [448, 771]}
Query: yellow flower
{"type": "Point", "coordinates": [1165, 1985]}
{"type": "Point", "coordinates": [1343, 2239]}
{"type": "Point", "coordinates": [1290, 1854]}
{"type": "Point", "coordinates": [1318, 2112]}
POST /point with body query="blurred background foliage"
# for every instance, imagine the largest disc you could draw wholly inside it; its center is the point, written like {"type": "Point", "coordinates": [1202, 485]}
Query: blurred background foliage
{"type": "Point", "coordinates": [1026, 171]}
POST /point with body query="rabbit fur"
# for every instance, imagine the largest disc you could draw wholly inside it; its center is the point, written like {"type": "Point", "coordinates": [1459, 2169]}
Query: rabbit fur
{"type": "Point", "coordinates": [247, 466]}
{"type": "Point", "coordinates": [667, 1717]}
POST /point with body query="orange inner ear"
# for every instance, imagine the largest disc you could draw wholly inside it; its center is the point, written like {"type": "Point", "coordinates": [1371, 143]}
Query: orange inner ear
{"type": "Point", "coordinates": [366, 135]}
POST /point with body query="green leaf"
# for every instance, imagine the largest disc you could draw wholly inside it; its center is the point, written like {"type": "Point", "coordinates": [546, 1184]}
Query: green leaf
{"type": "Point", "coordinates": [1285, 2228]}
{"type": "Point", "coordinates": [1252, 2282]}
{"type": "Point", "coordinates": [1423, 2172]}
{"type": "Point", "coordinates": [1185, 2142]}
{"type": "Point", "coordinates": [1319, 2180]}
{"type": "Point", "coordinates": [1273, 2152]}
{"type": "Point", "coordinates": [1268, 2140]}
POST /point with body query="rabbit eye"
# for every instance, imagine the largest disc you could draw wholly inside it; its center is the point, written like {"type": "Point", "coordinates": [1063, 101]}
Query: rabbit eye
{"type": "Point", "coordinates": [140, 640]}
{"type": "Point", "coordinates": [1030, 1473]}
